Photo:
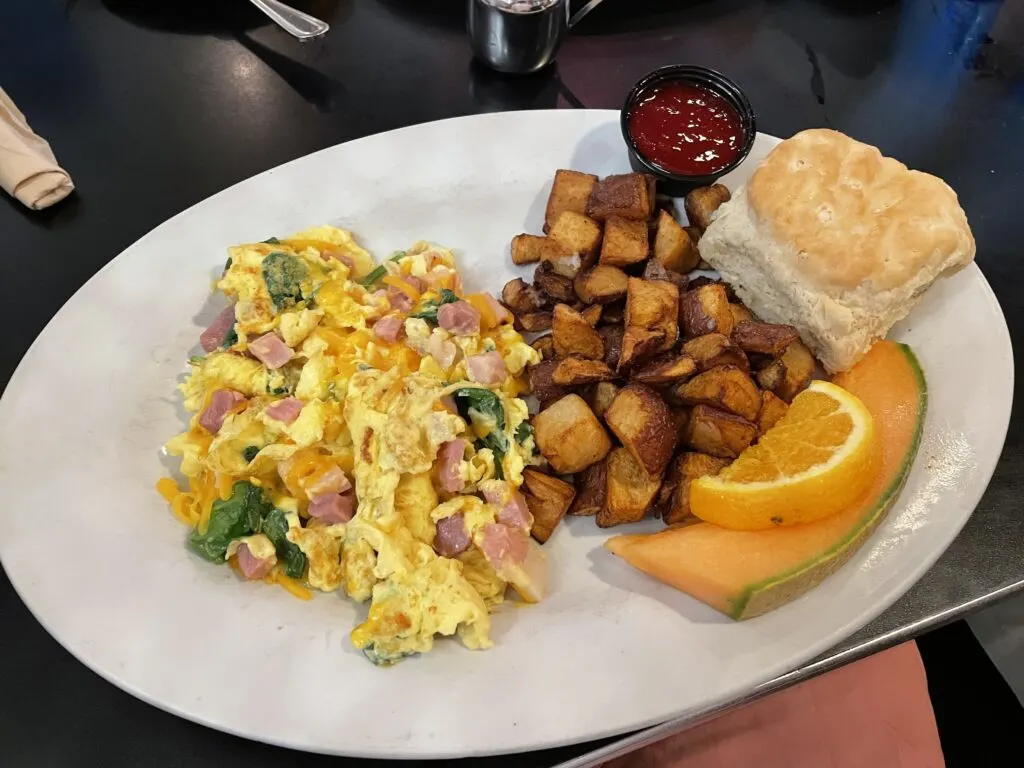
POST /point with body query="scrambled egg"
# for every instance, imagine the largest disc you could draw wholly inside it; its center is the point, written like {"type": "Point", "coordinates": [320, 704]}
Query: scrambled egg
{"type": "Point", "coordinates": [332, 416]}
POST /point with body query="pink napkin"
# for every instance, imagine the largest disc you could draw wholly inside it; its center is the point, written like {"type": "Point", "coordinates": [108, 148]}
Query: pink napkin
{"type": "Point", "coordinates": [28, 169]}
{"type": "Point", "coordinates": [875, 712]}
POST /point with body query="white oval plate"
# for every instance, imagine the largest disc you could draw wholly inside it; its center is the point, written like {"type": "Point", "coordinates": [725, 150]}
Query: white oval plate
{"type": "Point", "coordinates": [101, 562]}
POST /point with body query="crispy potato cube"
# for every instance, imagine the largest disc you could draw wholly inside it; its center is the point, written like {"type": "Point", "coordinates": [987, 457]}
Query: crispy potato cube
{"type": "Point", "coordinates": [574, 335]}
{"type": "Point", "coordinates": [542, 383]}
{"type": "Point", "coordinates": [763, 338]}
{"type": "Point", "coordinates": [627, 196]}
{"type": "Point", "coordinates": [552, 284]}
{"type": "Point", "coordinates": [739, 314]}
{"type": "Point", "coordinates": [653, 270]}
{"type": "Point", "coordinates": [705, 310]}
{"type": "Point", "coordinates": [600, 397]}
{"type": "Point", "coordinates": [718, 433]}
{"type": "Point", "coordinates": [631, 490]}
{"type": "Point", "coordinates": [546, 346]}
{"type": "Point", "coordinates": [773, 408]}
{"type": "Point", "coordinates": [569, 435]}
{"type": "Point", "coordinates": [574, 371]}
{"type": "Point", "coordinates": [673, 248]}
{"type": "Point", "coordinates": [725, 387]}
{"type": "Point", "coordinates": [601, 284]}
{"type": "Point", "coordinates": [715, 349]}
{"type": "Point", "coordinates": [772, 376]}
{"type": "Point", "coordinates": [592, 314]}
{"type": "Point", "coordinates": [625, 242]}
{"type": "Point", "coordinates": [591, 490]}
{"type": "Point", "coordinates": [576, 233]}
{"type": "Point", "coordinates": [533, 322]}
{"type": "Point", "coordinates": [686, 468]}
{"type": "Point", "coordinates": [701, 280]}
{"type": "Point", "coordinates": [529, 249]}
{"type": "Point", "coordinates": [548, 499]}
{"type": "Point", "coordinates": [681, 416]}
{"type": "Point", "coordinates": [704, 201]}
{"type": "Point", "coordinates": [639, 344]}
{"type": "Point", "coordinates": [667, 369]}
{"type": "Point", "coordinates": [653, 305]}
{"type": "Point", "coordinates": [799, 366]}
{"type": "Point", "coordinates": [695, 233]}
{"type": "Point", "coordinates": [522, 298]}
{"type": "Point", "coordinates": [643, 422]}
{"type": "Point", "coordinates": [612, 336]}
{"type": "Point", "coordinates": [569, 192]}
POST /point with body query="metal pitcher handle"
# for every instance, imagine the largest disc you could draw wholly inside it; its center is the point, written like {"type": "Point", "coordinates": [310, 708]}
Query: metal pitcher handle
{"type": "Point", "coordinates": [576, 18]}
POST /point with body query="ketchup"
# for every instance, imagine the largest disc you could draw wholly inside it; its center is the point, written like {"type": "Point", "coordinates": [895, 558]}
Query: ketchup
{"type": "Point", "coordinates": [687, 129]}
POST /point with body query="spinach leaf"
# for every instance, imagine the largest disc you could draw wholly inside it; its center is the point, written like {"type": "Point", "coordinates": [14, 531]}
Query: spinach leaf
{"type": "Point", "coordinates": [373, 276]}
{"type": "Point", "coordinates": [275, 526]}
{"type": "Point", "coordinates": [241, 515]}
{"type": "Point", "coordinates": [227, 266]}
{"type": "Point", "coordinates": [428, 309]}
{"type": "Point", "coordinates": [487, 406]}
{"type": "Point", "coordinates": [196, 360]}
{"type": "Point", "coordinates": [283, 275]}
{"type": "Point", "coordinates": [230, 340]}
{"type": "Point", "coordinates": [272, 241]}
{"type": "Point", "coordinates": [523, 432]}
{"type": "Point", "coordinates": [250, 452]}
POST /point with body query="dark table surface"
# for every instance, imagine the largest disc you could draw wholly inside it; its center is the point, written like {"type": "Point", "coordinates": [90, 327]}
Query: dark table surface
{"type": "Point", "coordinates": [153, 105]}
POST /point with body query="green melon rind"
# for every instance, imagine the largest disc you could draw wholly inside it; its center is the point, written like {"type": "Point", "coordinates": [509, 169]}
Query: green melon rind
{"type": "Point", "coordinates": [769, 594]}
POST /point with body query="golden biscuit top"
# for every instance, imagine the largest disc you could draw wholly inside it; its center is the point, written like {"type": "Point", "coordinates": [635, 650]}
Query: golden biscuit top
{"type": "Point", "coordinates": [854, 216]}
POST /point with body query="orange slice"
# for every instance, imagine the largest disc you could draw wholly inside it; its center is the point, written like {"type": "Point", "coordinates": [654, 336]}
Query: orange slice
{"type": "Point", "coordinates": [817, 460]}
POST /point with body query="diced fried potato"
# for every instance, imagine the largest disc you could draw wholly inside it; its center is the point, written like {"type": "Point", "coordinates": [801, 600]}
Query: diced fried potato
{"type": "Point", "coordinates": [574, 335]}
{"type": "Point", "coordinates": [686, 468]}
{"type": "Point", "coordinates": [546, 346]}
{"type": "Point", "coordinates": [601, 284]}
{"type": "Point", "coordinates": [718, 433]}
{"type": "Point", "coordinates": [641, 420]}
{"type": "Point", "coordinates": [772, 376]}
{"type": "Point", "coordinates": [592, 314]}
{"type": "Point", "coordinates": [654, 271]}
{"type": "Point", "coordinates": [521, 297]}
{"type": "Point", "coordinates": [625, 242]}
{"type": "Point", "coordinates": [799, 364]}
{"type": "Point", "coordinates": [725, 387]}
{"type": "Point", "coordinates": [773, 408]}
{"type": "Point", "coordinates": [739, 314]}
{"type": "Point", "coordinates": [600, 397]}
{"type": "Point", "coordinates": [542, 383]}
{"type": "Point", "coordinates": [627, 196]}
{"type": "Point", "coordinates": [591, 490]}
{"type": "Point", "coordinates": [576, 232]}
{"type": "Point", "coordinates": [653, 305]}
{"type": "Point", "coordinates": [715, 349]}
{"type": "Point", "coordinates": [700, 280]}
{"type": "Point", "coordinates": [681, 416]}
{"type": "Point", "coordinates": [569, 435]}
{"type": "Point", "coordinates": [533, 322]}
{"type": "Point", "coordinates": [529, 249]}
{"type": "Point", "coordinates": [639, 344]}
{"type": "Point", "coordinates": [704, 201]}
{"type": "Point", "coordinates": [667, 369]}
{"type": "Point", "coordinates": [548, 499]}
{"type": "Point", "coordinates": [695, 233]}
{"type": "Point", "coordinates": [612, 336]}
{"type": "Point", "coordinates": [574, 371]}
{"type": "Point", "coordinates": [569, 192]}
{"type": "Point", "coordinates": [631, 490]}
{"type": "Point", "coordinates": [763, 338]}
{"type": "Point", "coordinates": [673, 248]}
{"type": "Point", "coordinates": [557, 287]}
{"type": "Point", "coordinates": [705, 310]}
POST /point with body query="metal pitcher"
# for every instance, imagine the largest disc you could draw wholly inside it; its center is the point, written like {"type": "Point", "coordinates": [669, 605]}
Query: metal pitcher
{"type": "Point", "coordinates": [521, 36]}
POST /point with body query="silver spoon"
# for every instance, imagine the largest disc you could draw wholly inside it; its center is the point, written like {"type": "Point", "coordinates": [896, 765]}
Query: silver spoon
{"type": "Point", "coordinates": [293, 21]}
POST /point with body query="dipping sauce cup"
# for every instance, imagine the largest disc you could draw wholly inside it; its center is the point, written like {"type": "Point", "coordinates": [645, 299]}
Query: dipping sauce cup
{"type": "Point", "coordinates": [687, 126]}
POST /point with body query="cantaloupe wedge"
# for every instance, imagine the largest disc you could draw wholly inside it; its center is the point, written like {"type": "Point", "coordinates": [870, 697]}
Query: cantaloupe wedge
{"type": "Point", "coordinates": [747, 573]}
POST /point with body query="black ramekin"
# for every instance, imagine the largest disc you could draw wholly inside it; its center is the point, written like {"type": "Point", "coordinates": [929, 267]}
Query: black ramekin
{"type": "Point", "coordinates": [676, 184]}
